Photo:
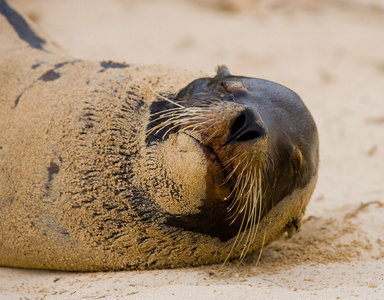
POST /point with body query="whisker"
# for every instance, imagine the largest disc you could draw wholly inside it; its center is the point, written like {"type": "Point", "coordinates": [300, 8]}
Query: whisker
{"type": "Point", "coordinates": [158, 128]}
{"type": "Point", "coordinates": [170, 121]}
{"type": "Point", "coordinates": [229, 160]}
{"type": "Point", "coordinates": [229, 176]}
{"type": "Point", "coordinates": [235, 188]}
{"type": "Point", "coordinates": [167, 111]}
{"type": "Point", "coordinates": [165, 98]}
{"type": "Point", "coordinates": [257, 204]}
{"type": "Point", "coordinates": [240, 197]}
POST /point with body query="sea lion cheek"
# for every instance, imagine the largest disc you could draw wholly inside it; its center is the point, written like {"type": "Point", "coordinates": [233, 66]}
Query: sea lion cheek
{"type": "Point", "coordinates": [185, 169]}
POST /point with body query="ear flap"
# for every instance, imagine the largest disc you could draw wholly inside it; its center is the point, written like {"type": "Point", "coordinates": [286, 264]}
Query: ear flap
{"type": "Point", "coordinates": [222, 71]}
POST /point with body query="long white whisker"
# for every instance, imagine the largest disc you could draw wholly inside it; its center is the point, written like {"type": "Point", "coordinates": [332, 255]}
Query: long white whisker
{"type": "Point", "coordinates": [167, 111]}
{"type": "Point", "coordinates": [165, 98]}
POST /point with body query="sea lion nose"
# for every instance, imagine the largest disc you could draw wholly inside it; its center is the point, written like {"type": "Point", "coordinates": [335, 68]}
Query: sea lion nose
{"type": "Point", "coordinates": [246, 127]}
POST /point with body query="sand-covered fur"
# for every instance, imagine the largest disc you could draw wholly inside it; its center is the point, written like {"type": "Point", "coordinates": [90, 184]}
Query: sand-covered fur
{"type": "Point", "coordinates": [76, 174]}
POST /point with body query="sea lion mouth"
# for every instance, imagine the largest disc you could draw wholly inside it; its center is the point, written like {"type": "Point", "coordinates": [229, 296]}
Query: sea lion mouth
{"type": "Point", "coordinates": [208, 151]}
{"type": "Point", "coordinates": [218, 185]}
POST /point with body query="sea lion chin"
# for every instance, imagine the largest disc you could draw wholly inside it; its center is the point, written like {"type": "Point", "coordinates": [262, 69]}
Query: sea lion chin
{"type": "Point", "coordinates": [110, 166]}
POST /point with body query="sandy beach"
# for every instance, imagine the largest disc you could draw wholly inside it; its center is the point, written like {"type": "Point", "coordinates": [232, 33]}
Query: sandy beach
{"type": "Point", "coordinates": [332, 54]}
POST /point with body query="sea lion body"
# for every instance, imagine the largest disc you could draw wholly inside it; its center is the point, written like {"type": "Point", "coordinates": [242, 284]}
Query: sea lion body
{"type": "Point", "coordinates": [106, 166]}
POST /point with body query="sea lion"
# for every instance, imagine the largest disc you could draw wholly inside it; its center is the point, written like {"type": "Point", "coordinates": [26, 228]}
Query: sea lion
{"type": "Point", "coordinates": [108, 166]}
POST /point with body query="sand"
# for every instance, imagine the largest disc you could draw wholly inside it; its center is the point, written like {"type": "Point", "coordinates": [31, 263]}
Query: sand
{"type": "Point", "coordinates": [332, 54]}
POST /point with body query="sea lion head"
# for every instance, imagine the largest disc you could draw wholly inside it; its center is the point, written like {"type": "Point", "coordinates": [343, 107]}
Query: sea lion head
{"type": "Point", "coordinates": [256, 141]}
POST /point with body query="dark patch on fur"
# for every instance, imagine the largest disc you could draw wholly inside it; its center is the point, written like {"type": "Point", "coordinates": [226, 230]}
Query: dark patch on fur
{"type": "Point", "coordinates": [112, 65]}
{"type": "Point", "coordinates": [20, 26]}
{"type": "Point", "coordinates": [21, 95]}
{"type": "Point", "coordinates": [36, 65]}
{"type": "Point", "coordinates": [47, 76]}
{"type": "Point", "coordinates": [145, 208]}
{"type": "Point", "coordinates": [88, 118]}
{"type": "Point", "coordinates": [50, 75]}
{"type": "Point", "coordinates": [72, 62]}
{"type": "Point", "coordinates": [18, 99]}
{"type": "Point", "coordinates": [1, 147]}
{"type": "Point", "coordinates": [53, 169]}
{"type": "Point", "coordinates": [214, 224]}
{"type": "Point", "coordinates": [155, 120]}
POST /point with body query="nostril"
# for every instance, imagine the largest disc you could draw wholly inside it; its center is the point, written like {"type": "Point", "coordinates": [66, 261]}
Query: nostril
{"type": "Point", "coordinates": [238, 124]}
{"type": "Point", "coordinates": [248, 136]}
{"type": "Point", "coordinates": [245, 128]}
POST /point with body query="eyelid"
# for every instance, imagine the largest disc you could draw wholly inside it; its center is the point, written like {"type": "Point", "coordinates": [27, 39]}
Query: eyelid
{"type": "Point", "coordinates": [234, 86]}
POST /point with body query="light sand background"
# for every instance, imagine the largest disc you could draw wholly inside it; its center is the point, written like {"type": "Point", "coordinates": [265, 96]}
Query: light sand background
{"type": "Point", "coordinates": [332, 54]}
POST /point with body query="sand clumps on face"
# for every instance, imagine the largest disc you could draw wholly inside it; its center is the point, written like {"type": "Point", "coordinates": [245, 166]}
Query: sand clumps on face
{"type": "Point", "coordinates": [194, 185]}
